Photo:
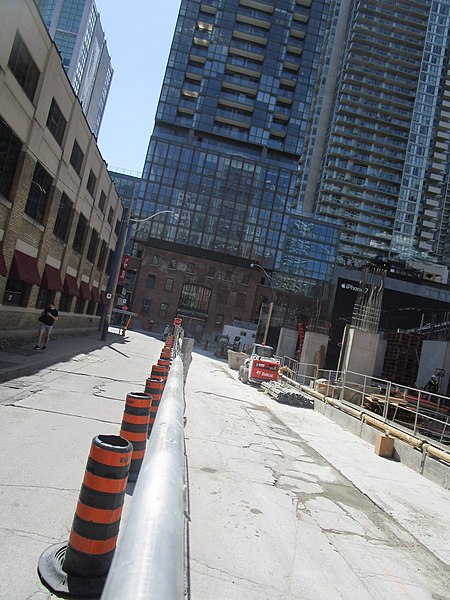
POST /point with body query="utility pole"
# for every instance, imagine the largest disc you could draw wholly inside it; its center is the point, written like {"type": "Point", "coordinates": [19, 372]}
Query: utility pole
{"type": "Point", "coordinates": [112, 286]}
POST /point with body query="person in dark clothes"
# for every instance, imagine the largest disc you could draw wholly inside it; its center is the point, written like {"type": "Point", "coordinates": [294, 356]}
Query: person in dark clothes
{"type": "Point", "coordinates": [46, 321]}
{"type": "Point", "coordinates": [433, 385]}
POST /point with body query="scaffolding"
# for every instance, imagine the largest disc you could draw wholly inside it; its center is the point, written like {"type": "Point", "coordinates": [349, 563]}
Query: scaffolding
{"type": "Point", "coordinates": [367, 310]}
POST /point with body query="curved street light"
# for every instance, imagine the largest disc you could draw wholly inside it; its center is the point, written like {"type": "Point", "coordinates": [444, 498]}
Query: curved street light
{"type": "Point", "coordinates": [257, 266]}
{"type": "Point", "coordinates": [160, 212]}
{"type": "Point", "coordinates": [118, 262]}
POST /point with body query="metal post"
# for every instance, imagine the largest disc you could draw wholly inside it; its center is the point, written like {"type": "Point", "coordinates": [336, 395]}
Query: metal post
{"type": "Point", "coordinates": [363, 395]}
{"type": "Point", "coordinates": [269, 318]}
{"type": "Point", "coordinates": [386, 400]}
{"type": "Point", "coordinates": [417, 413]}
{"type": "Point", "coordinates": [344, 383]}
{"type": "Point", "coordinates": [114, 279]}
{"type": "Point", "coordinates": [115, 275]}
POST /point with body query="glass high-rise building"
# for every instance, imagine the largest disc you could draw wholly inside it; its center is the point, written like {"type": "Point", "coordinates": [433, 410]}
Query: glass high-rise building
{"type": "Point", "coordinates": [77, 32]}
{"type": "Point", "coordinates": [300, 134]}
{"type": "Point", "coordinates": [230, 127]}
{"type": "Point", "coordinates": [377, 156]}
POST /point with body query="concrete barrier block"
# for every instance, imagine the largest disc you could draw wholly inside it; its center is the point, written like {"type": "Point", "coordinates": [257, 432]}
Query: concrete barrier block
{"type": "Point", "coordinates": [319, 406]}
{"type": "Point", "coordinates": [343, 419]}
{"type": "Point", "coordinates": [369, 433]}
{"type": "Point", "coordinates": [437, 471]}
{"type": "Point", "coordinates": [408, 455]}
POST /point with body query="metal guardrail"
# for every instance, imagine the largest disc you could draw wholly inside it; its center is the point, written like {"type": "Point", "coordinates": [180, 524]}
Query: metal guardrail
{"type": "Point", "coordinates": [303, 373]}
{"type": "Point", "coordinates": [150, 558]}
{"type": "Point", "coordinates": [421, 413]}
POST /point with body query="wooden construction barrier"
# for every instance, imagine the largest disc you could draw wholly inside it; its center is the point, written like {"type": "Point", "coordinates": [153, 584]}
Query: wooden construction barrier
{"type": "Point", "coordinates": [80, 566]}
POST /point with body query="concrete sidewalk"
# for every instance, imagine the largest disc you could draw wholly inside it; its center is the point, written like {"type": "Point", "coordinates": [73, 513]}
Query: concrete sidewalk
{"type": "Point", "coordinates": [65, 396]}
{"type": "Point", "coordinates": [25, 360]}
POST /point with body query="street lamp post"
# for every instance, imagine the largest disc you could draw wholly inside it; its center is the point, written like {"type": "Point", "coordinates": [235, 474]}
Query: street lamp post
{"type": "Point", "coordinates": [160, 212]}
{"type": "Point", "coordinates": [122, 242]}
{"type": "Point", "coordinates": [112, 284]}
{"type": "Point", "coordinates": [269, 315]}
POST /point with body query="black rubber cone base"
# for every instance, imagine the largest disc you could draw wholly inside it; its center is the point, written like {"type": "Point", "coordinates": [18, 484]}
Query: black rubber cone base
{"type": "Point", "coordinates": [61, 583]}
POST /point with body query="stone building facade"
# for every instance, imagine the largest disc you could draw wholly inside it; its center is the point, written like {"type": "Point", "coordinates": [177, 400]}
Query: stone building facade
{"type": "Point", "coordinates": [59, 211]}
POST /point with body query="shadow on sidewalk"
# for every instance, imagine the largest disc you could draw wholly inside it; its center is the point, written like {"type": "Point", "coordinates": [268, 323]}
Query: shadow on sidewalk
{"type": "Point", "coordinates": [22, 360]}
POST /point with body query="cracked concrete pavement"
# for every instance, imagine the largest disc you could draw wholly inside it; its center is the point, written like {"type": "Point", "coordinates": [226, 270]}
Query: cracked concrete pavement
{"type": "Point", "coordinates": [284, 504]}
{"type": "Point", "coordinates": [287, 505]}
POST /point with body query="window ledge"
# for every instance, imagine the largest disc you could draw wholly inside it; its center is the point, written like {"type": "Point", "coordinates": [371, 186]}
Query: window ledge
{"type": "Point", "coordinates": [33, 221]}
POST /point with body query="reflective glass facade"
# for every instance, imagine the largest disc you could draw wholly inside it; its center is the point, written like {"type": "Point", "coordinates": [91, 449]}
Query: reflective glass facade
{"type": "Point", "coordinates": [76, 30]}
{"type": "Point", "coordinates": [230, 127]}
{"type": "Point", "coordinates": [384, 159]}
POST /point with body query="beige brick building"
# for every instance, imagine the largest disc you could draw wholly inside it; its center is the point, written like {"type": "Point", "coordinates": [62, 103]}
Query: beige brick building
{"type": "Point", "coordinates": [59, 210]}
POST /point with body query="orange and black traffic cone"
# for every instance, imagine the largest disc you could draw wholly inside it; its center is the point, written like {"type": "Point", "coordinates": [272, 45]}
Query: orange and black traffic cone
{"type": "Point", "coordinates": [79, 567]}
{"type": "Point", "coordinates": [160, 371]}
{"type": "Point", "coordinates": [166, 353]}
{"type": "Point", "coordinates": [164, 362]}
{"type": "Point", "coordinates": [135, 428]}
{"type": "Point", "coordinates": [155, 387]}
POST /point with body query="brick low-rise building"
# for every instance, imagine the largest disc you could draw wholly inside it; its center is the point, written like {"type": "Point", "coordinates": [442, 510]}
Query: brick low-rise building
{"type": "Point", "coordinates": [59, 210]}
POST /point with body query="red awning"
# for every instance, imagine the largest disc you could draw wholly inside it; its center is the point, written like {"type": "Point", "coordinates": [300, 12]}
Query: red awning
{"type": "Point", "coordinates": [95, 295]}
{"type": "Point", "coordinates": [51, 279]}
{"type": "Point", "coordinates": [70, 286]}
{"type": "Point", "coordinates": [3, 269]}
{"type": "Point", "coordinates": [103, 297]}
{"type": "Point", "coordinates": [24, 268]}
{"type": "Point", "coordinates": [85, 292]}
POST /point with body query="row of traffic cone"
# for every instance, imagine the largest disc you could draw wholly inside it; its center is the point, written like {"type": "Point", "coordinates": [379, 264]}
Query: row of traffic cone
{"type": "Point", "coordinates": [141, 410]}
{"type": "Point", "coordinates": [79, 567]}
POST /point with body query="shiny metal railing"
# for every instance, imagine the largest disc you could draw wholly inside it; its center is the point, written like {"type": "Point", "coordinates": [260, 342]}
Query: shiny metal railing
{"type": "Point", "coordinates": [150, 559]}
{"type": "Point", "coordinates": [423, 413]}
{"type": "Point", "coordinates": [416, 411]}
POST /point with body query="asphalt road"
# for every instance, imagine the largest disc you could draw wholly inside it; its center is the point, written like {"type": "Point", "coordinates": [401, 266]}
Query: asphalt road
{"type": "Point", "coordinates": [283, 503]}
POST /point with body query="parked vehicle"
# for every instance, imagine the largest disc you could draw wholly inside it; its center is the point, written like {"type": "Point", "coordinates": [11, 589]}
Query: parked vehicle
{"type": "Point", "coordinates": [261, 365]}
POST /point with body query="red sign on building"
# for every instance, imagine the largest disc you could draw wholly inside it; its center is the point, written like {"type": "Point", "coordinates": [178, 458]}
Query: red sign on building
{"type": "Point", "coordinates": [124, 268]}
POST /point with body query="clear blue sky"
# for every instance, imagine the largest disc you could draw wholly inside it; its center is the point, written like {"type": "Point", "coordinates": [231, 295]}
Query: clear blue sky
{"type": "Point", "coordinates": [138, 35]}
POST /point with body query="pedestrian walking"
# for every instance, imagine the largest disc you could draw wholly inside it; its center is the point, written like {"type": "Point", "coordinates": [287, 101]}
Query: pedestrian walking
{"type": "Point", "coordinates": [46, 321]}
{"type": "Point", "coordinates": [166, 332]}
{"type": "Point", "coordinates": [433, 385]}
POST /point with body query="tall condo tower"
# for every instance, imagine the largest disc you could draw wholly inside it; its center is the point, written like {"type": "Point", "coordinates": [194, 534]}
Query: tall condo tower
{"type": "Point", "coordinates": [377, 158]}
{"type": "Point", "coordinates": [77, 32]}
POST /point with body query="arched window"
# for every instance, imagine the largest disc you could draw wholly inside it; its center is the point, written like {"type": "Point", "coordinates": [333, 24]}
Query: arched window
{"type": "Point", "coordinates": [195, 297]}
